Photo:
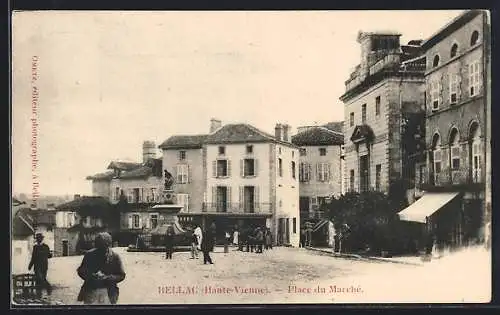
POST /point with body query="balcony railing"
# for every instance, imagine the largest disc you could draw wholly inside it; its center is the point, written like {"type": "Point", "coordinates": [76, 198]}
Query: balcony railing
{"type": "Point", "coordinates": [453, 177]}
{"type": "Point", "coordinates": [221, 207]}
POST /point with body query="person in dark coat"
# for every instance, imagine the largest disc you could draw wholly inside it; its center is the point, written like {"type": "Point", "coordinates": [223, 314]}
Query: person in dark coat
{"type": "Point", "coordinates": [268, 239]}
{"type": "Point", "coordinates": [169, 242]}
{"type": "Point", "coordinates": [101, 269]}
{"type": "Point", "coordinates": [259, 240]}
{"type": "Point", "coordinates": [40, 261]}
{"type": "Point", "coordinates": [207, 245]}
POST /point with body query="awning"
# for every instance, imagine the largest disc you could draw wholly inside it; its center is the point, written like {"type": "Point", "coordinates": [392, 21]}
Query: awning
{"type": "Point", "coordinates": [428, 204]}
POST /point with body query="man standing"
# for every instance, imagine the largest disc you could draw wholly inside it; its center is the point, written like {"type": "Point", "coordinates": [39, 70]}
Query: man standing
{"type": "Point", "coordinates": [101, 269]}
{"type": "Point", "coordinates": [40, 261]}
{"type": "Point", "coordinates": [207, 245]}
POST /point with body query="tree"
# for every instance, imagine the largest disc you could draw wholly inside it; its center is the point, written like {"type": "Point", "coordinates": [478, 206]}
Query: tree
{"type": "Point", "coordinates": [370, 217]}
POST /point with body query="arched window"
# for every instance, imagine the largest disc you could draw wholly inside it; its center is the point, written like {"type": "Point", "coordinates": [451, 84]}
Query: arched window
{"type": "Point", "coordinates": [474, 37]}
{"type": "Point", "coordinates": [435, 61]}
{"type": "Point", "coordinates": [475, 152]}
{"type": "Point", "coordinates": [454, 50]}
{"type": "Point", "coordinates": [454, 150]}
{"type": "Point", "coordinates": [436, 157]}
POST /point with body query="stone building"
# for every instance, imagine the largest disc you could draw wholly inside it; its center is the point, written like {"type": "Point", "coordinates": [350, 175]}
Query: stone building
{"type": "Point", "coordinates": [237, 175]}
{"type": "Point", "coordinates": [383, 93]}
{"type": "Point", "coordinates": [457, 102]}
{"type": "Point", "coordinates": [320, 168]}
{"type": "Point", "coordinates": [132, 188]}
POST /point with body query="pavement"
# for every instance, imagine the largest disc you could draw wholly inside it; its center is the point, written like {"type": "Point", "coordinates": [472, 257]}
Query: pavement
{"type": "Point", "coordinates": [282, 275]}
{"type": "Point", "coordinates": [406, 260]}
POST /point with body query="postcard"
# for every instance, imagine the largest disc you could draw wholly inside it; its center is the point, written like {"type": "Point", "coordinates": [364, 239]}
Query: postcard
{"type": "Point", "coordinates": [250, 157]}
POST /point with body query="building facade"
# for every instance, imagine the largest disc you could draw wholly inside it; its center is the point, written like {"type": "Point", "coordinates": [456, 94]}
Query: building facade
{"type": "Point", "coordinates": [384, 92]}
{"type": "Point", "coordinates": [320, 169]}
{"type": "Point", "coordinates": [237, 176]}
{"type": "Point", "coordinates": [457, 84]}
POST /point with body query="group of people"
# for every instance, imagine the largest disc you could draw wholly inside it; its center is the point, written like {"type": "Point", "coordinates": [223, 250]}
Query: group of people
{"type": "Point", "coordinates": [101, 270]}
{"type": "Point", "coordinates": [253, 239]}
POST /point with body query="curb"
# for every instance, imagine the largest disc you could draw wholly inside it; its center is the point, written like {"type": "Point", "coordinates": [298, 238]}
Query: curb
{"type": "Point", "coordinates": [361, 257]}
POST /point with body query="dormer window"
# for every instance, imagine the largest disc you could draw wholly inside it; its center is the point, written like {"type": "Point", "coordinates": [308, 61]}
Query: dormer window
{"type": "Point", "coordinates": [474, 37]}
{"type": "Point", "coordinates": [435, 61]}
{"type": "Point", "coordinates": [454, 50]}
{"type": "Point", "coordinates": [222, 150]}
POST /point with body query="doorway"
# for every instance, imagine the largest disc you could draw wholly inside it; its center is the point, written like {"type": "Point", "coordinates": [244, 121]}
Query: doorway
{"type": "Point", "coordinates": [65, 248]}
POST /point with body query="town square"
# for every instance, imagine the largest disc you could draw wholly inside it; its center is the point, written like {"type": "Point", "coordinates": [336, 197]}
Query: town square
{"type": "Point", "coordinates": [295, 157]}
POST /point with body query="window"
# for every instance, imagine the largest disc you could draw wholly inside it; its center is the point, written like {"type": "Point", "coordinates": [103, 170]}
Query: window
{"type": "Point", "coordinates": [421, 174]}
{"type": "Point", "coordinates": [249, 198]}
{"type": "Point", "coordinates": [474, 78]}
{"type": "Point", "coordinates": [378, 173]}
{"type": "Point", "coordinates": [475, 148]}
{"type": "Point", "coordinates": [293, 154]}
{"type": "Point", "coordinates": [304, 172]}
{"type": "Point", "coordinates": [453, 88]}
{"type": "Point", "coordinates": [363, 113]}
{"type": "Point", "coordinates": [182, 173]}
{"type": "Point", "coordinates": [323, 172]}
{"type": "Point", "coordinates": [249, 149]}
{"type": "Point", "coordinates": [222, 150]}
{"type": "Point", "coordinates": [117, 193]}
{"type": "Point", "coordinates": [294, 225]}
{"type": "Point", "coordinates": [322, 151]}
{"type": "Point", "coordinates": [435, 61]}
{"type": "Point", "coordinates": [304, 203]}
{"type": "Point", "coordinates": [351, 119]}
{"type": "Point", "coordinates": [377, 106]}
{"type": "Point", "coordinates": [280, 167]}
{"type": "Point", "coordinates": [293, 169]}
{"type": "Point", "coordinates": [454, 150]}
{"type": "Point", "coordinates": [137, 196]}
{"type": "Point", "coordinates": [182, 155]}
{"type": "Point", "coordinates": [153, 220]}
{"type": "Point", "coordinates": [435, 89]}
{"type": "Point", "coordinates": [153, 195]}
{"type": "Point", "coordinates": [321, 201]}
{"type": "Point", "coordinates": [474, 37]}
{"type": "Point", "coordinates": [249, 166]}
{"type": "Point", "coordinates": [351, 180]}
{"type": "Point", "coordinates": [302, 151]}
{"type": "Point", "coordinates": [136, 221]}
{"type": "Point", "coordinates": [222, 168]}
{"type": "Point", "coordinates": [279, 150]}
{"type": "Point", "coordinates": [183, 199]}
{"type": "Point", "coordinates": [454, 50]}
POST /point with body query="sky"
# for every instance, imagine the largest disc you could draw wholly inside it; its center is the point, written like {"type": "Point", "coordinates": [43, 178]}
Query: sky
{"type": "Point", "coordinates": [107, 81]}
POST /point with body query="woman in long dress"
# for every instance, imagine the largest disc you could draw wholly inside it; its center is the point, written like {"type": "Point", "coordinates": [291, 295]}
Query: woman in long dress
{"type": "Point", "coordinates": [236, 234]}
{"type": "Point", "coordinates": [101, 269]}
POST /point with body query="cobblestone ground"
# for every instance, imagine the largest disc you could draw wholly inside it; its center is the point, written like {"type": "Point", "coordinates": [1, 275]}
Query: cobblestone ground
{"type": "Point", "coordinates": [281, 275]}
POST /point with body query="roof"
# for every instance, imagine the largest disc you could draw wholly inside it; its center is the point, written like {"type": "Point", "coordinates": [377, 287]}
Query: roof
{"type": "Point", "coordinates": [318, 136]}
{"type": "Point", "coordinates": [152, 167]}
{"type": "Point", "coordinates": [183, 142]}
{"type": "Point", "coordinates": [87, 205]}
{"type": "Point", "coordinates": [122, 165]}
{"type": "Point", "coordinates": [26, 219]}
{"type": "Point", "coordinates": [449, 28]}
{"type": "Point", "coordinates": [337, 126]}
{"type": "Point", "coordinates": [236, 133]}
{"type": "Point", "coordinates": [102, 176]}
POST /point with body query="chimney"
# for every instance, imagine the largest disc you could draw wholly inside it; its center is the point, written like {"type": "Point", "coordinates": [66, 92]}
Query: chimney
{"type": "Point", "coordinates": [148, 150]}
{"type": "Point", "coordinates": [215, 124]}
{"type": "Point", "coordinates": [76, 196]}
{"type": "Point", "coordinates": [278, 132]}
{"type": "Point", "coordinates": [287, 129]}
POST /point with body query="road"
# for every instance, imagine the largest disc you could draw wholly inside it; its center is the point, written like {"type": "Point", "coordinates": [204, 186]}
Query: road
{"type": "Point", "coordinates": [281, 275]}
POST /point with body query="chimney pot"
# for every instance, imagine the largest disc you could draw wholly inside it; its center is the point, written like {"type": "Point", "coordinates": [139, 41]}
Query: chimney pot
{"type": "Point", "coordinates": [148, 150]}
{"type": "Point", "coordinates": [278, 132]}
{"type": "Point", "coordinates": [215, 124]}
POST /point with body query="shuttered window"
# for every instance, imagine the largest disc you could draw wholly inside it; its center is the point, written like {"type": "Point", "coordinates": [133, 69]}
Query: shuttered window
{"type": "Point", "coordinates": [182, 173]}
